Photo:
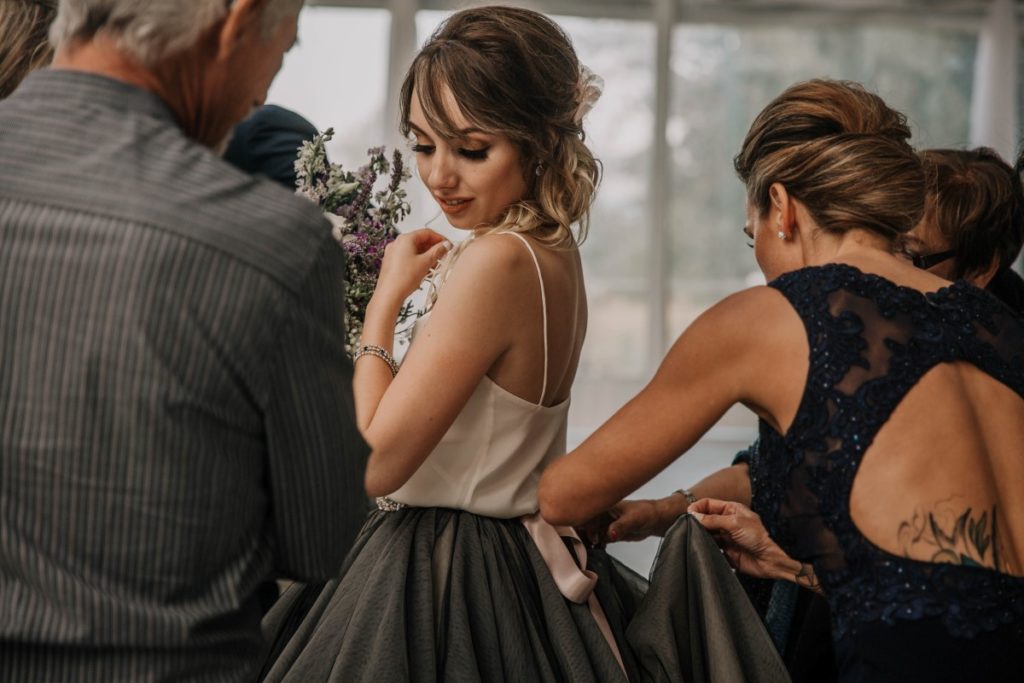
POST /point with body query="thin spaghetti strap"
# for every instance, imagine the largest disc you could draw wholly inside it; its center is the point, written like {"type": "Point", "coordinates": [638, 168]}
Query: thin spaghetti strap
{"type": "Point", "coordinates": [544, 311]}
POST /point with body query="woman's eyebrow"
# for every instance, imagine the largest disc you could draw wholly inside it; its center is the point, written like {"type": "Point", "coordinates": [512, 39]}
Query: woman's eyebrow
{"type": "Point", "coordinates": [417, 129]}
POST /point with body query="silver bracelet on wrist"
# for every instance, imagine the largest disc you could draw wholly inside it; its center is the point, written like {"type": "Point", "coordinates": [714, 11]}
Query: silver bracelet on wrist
{"type": "Point", "coordinates": [379, 352]}
{"type": "Point", "coordinates": [690, 498]}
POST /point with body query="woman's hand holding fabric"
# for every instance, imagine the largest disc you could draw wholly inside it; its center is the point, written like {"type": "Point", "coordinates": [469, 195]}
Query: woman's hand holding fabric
{"type": "Point", "coordinates": [634, 520]}
{"type": "Point", "coordinates": [743, 538]}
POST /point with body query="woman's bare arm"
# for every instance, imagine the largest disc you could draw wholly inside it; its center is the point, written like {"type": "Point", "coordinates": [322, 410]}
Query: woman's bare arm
{"type": "Point", "coordinates": [741, 350]}
{"type": "Point", "coordinates": [635, 520]}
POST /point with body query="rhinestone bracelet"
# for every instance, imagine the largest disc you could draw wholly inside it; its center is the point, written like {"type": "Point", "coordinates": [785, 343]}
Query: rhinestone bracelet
{"type": "Point", "coordinates": [379, 352]}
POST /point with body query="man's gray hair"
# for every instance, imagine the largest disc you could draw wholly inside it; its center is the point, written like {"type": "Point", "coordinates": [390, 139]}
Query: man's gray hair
{"type": "Point", "coordinates": [150, 30]}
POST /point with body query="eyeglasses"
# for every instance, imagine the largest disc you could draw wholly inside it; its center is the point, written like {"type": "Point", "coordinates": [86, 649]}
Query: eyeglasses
{"type": "Point", "coordinates": [926, 261]}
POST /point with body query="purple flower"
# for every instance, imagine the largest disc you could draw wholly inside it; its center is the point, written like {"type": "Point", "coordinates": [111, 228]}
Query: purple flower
{"type": "Point", "coordinates": [362, 221]}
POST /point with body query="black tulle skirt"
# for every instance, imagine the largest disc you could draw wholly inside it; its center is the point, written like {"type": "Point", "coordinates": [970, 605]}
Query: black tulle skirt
{"type": "Point", "coordinates": [431, 594]}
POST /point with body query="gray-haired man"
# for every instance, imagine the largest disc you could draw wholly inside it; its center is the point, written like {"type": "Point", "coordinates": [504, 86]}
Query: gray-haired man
{"type": "Point", "coordinates": [176, 419]}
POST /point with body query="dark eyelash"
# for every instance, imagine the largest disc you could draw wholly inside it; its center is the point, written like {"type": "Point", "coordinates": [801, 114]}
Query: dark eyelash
{"type": "Point", "coordinates": [750, 244]}
{"type": "Point", "coordinates": [476, 154]}
{"type": "Point", "coordinates": [422, 149]}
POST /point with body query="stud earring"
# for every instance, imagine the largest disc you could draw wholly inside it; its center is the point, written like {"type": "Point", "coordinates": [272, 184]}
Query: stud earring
{"type": "Point", "coordinates": [782, 236]}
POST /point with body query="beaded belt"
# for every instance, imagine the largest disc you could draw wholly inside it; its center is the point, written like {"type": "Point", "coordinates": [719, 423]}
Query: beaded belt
{"type": "Point", "coordinates": [385, 504]}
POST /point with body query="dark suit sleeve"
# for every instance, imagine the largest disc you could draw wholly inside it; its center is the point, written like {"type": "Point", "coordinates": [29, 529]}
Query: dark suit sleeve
{"type": "Point", "coordinates": [317, 456]}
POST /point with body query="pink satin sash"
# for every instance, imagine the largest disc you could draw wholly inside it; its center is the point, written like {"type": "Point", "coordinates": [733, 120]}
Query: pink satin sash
{"type": "Point", "coordinates": [574, 583]}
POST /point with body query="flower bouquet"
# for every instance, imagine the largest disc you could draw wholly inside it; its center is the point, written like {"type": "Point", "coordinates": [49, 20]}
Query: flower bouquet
{"type": "Point", "coordinates": [365, 221]}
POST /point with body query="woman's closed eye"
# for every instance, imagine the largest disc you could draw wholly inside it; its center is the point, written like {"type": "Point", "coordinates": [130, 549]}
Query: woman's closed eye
{"type": "Point", "coordinates": [749, 236]}
{"type": "Point", "coordinates": [472, 154]}
{"type": "Point", "coordinates": [475, 154]}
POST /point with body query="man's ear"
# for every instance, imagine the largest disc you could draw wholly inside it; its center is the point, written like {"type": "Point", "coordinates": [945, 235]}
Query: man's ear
{"type": "Point", "coordinates": [982, 278]}
{"type": "Point", "coordinates": [244, 18]}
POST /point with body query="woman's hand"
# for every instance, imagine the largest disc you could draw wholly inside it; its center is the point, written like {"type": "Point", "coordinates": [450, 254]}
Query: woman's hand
{"type": "Point", "coordinates": [635, 520]}
{"type": "Point", "coordinates": [743, 538]}
{"type": "Point", "coordinates": [407, 261]}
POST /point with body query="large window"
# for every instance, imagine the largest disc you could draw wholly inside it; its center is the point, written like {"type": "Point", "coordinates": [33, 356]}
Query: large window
{"type": "Point", "coordinates": [722, 76]}
{"type": "Point", "coordinates": [337, 77]}
{"type": "Point", "coordinates": [616, 254]}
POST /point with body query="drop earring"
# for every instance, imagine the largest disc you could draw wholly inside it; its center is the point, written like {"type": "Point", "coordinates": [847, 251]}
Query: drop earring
{"type": "Point", "coordinates": [540, 170]}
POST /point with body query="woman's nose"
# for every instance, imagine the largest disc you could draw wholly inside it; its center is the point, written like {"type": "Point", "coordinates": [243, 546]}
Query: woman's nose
{"type": "Point", "coordinates": [442, 172]}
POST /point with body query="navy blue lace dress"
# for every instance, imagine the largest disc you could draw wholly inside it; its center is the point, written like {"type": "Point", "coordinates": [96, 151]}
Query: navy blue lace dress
{"type": "Point", "coordinates": [894, 619]}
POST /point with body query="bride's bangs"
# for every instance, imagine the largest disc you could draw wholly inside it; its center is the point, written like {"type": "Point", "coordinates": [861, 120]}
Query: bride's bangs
{"type": "Point", "coordinates": [431, 84]}
{"type": "Point", "coordinates": [434, 78]}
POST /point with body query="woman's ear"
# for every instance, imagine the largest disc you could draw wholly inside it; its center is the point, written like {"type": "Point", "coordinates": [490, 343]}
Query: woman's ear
{"type": "Point", "coordinates": [980, 279]}
{"type": "Point", "coordinates": [783, 211]}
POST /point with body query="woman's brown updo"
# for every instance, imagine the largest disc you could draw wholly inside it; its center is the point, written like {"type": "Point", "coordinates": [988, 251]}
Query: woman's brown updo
{"type": "Point", "coordinates": [842, 152]}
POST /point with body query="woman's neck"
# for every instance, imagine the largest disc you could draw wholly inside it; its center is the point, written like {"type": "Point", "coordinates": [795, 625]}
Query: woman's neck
{"type": "Point", "coordinates": [850, 246]}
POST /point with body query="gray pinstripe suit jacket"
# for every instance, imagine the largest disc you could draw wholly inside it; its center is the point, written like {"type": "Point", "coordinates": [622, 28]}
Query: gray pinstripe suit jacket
{"type": "Point", "coordinates": [176, 417]}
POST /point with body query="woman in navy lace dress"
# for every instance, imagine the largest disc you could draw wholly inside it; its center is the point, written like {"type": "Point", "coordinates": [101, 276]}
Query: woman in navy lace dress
{"type": "Point", "coordinates": [890, 474]}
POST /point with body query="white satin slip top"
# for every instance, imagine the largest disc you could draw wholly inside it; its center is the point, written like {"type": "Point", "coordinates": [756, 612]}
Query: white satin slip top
{"type": "Point", "coordinates": [490, 460]}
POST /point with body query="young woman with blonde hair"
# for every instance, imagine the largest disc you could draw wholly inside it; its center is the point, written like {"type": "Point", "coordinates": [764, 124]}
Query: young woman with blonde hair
{"type": "Point", "coordinates": [454, 576]}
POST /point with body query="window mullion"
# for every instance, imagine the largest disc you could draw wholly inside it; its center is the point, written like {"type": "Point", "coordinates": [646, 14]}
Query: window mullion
{"type": "Point", "coordinates": [401, 52]}
{"type": "Point", "coordinates": [661, 178]}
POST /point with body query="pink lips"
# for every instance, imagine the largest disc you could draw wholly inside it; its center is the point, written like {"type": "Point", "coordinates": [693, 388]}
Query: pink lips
{"type": "Point", "coordinates": [453, 209]}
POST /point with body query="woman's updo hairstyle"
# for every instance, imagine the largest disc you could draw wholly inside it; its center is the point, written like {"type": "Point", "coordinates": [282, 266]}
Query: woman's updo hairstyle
{"type": "Point", "coordinates": [514, 72]}
{"type": "Point", "coordinates": [842, 152]}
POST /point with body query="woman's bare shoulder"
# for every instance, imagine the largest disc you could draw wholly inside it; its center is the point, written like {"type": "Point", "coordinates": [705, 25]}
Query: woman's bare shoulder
{"type": "Point", "coordinates": [502, 250]}
{"type": "Point", "coordinates": [757, 310]}
{"type": "Point", "coordinates": [485, 275]}
{"type": "Point", "coordinates": [740, 331]}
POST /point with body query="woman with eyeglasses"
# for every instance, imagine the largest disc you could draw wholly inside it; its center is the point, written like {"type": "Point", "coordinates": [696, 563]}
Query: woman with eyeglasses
{"type": "Point", "coordinates": [891, 404]}
{"type": "Point", "coordinates": [973, 224]}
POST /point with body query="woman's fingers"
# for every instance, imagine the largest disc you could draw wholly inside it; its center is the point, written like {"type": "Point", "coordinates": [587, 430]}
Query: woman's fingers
{"type": "Point", "coordinates": [716, 524]}
{"type": "Point", "coordinates": [631, 523]}
{"type": "Point", "coordinates": [712, 506]}
{"type": "Point", "coordinates": [437, 252]}
{"type": "Point", "coordinates": [425, 238]}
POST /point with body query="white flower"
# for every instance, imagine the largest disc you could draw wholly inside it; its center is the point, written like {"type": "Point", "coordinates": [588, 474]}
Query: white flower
{"type": "Point", "coordinates": [589, 89]}
{"type": "Point", "coordinates": [345, 189]}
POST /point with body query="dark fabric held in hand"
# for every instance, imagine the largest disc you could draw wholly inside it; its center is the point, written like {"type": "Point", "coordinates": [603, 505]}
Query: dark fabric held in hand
{"type": "Point", "coordinates": [695, 624]}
